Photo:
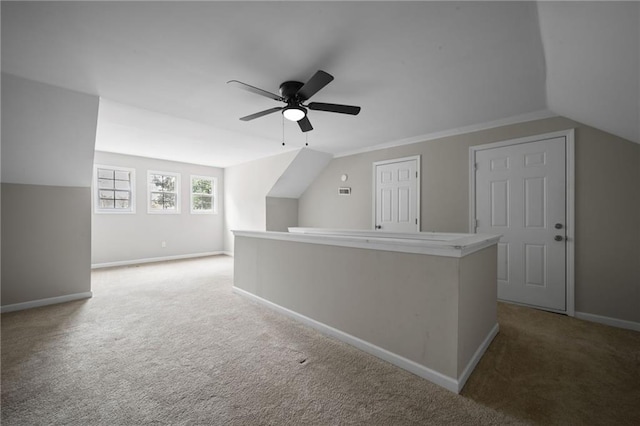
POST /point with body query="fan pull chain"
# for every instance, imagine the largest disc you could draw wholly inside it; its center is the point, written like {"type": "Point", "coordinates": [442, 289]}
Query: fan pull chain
{"type": "Point", "coordinates": [306, 141]}
{"type": "Point", "coordinates": [282, 129]}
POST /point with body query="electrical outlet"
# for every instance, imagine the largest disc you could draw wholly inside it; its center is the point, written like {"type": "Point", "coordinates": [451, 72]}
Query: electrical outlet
{"type": "Point", "coordinates": [163, 244]}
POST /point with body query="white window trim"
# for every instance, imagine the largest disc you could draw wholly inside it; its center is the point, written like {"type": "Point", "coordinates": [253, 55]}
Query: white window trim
{"type": "Point", "coordinates": [149, 191]}
{"type": "Point", "coordinates": [94, 184]}
{"type": "Point", "coordinates": [214, 194]}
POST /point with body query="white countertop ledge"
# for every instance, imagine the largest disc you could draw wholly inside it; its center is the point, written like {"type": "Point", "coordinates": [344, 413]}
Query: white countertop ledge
{"type": "Point", "coordinates": [429, 243]}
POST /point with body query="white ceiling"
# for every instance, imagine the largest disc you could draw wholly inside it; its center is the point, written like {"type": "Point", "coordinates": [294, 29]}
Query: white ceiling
{"type": "Point", "coordinates": [592, 52]}
{"type": "Point", "coordinates": [415, 68]}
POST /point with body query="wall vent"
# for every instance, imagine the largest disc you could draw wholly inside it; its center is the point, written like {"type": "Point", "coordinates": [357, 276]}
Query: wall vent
{"type": "Point", "coordinates": [344, 191]}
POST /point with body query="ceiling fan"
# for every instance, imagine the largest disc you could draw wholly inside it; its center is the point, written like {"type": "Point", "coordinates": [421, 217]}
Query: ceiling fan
{"type": "Point", "coordinates": [294, 94]}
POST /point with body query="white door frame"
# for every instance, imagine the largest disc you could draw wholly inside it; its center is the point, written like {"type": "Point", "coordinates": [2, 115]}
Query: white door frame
{"type": "Point", "coordinates": [570, 201]}
{"type": "Point", "coordinates": [373, 189]}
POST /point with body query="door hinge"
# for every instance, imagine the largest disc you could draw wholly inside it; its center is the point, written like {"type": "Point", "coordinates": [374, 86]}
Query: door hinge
{"type": "Point", "coordinates": [475, 166]}
{"type": "Point", "coordinates": [476, 224]}
{"type": "Point", "coordinates": [416, 221]}
{"type": "Point", "coordinates": [416, 175]}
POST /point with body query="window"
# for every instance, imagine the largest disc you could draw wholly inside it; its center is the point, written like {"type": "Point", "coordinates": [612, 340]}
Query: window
{"type": "Point", "coordinates": [204, 194]}
{"type": "Point", "coordinates": [164, 192]}
{"type": "Point", "coordinates": [114, 189]}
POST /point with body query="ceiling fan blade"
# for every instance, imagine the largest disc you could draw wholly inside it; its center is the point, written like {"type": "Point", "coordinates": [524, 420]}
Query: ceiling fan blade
{"type": "Point", "coordinates": [305, 124]}
{"type": "Point", "coordinates": [261, 113]}
{"type": "Point", "coordinates": [257, 91]}
{"type": "Point", "coordinates": [342, 109]}
{"type": "Point", "coordinates": [315, 83]}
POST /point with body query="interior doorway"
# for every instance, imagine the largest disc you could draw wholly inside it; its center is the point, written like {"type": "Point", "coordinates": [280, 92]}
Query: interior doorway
{"type": "Point", "coordinates": [523, 190]}
{"type": "Point", "coordinates": [396, 195]}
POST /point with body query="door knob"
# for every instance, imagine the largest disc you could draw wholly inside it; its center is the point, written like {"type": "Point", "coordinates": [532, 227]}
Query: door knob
{"type": "Point", "coordinates": [378, 226]}
{"type": "Point", "coordinates": [558, 238]}
{"type": "Point", "coordinates": [558, 226]}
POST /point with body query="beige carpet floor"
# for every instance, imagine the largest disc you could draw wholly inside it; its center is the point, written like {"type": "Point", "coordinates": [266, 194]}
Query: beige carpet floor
{"type": "Point", "coordinates": [170, 343]}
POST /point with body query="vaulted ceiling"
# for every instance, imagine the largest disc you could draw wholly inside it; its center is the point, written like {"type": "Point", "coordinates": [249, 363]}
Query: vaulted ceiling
{"type": "Point", "coordinates": [415, 68]}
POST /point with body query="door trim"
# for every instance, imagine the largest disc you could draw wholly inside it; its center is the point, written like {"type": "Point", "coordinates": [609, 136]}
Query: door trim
{"type": "Point", "coordinates": [374, 193]}
{"type": "Point", "coordinates": [569, 136]}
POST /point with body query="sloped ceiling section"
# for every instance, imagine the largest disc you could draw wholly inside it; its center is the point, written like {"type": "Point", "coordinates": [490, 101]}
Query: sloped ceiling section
{"type": "Point", "coordinates": [302, 171]}
{"type": "Point", "coordinates": [135, 131]}
{"type": "Point", "coordinates": [48, 134]}
{"type": "Point", "coordinates": [592, 51]}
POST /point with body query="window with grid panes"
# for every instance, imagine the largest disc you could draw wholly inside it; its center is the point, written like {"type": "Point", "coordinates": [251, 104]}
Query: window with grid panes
{"type": "Point", "coordinates": [164, 192]}
{"type": "Point", "coordinates": [114, 189]}
{"type": "Point", "coordinates": [203, 195]}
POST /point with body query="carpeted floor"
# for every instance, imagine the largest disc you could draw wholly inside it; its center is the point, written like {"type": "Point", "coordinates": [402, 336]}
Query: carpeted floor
{"type": "Point", "coordinates": [552, 369]}
{"type": "Point", "coordinates": [169, 343]}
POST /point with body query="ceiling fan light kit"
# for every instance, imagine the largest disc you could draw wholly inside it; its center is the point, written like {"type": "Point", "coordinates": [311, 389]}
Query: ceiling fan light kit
{"type": "Point", "coordinates": [294, 94]}
{"type": "Point", "coordinates": [294, 113]}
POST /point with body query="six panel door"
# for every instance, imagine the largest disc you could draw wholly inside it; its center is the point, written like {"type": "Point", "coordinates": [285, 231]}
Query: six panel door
{"type": "Point", "coordinates": [396, 196]}
{"type": "Point", "coordinates": [520, 193]}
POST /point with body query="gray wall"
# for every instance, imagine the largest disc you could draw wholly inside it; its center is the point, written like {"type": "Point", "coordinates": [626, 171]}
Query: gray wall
{"type": "Point", "coordinates": [48, 137]}
{"type": "Point", "coordinates": [46, 251]}
{"type": "Point", "coordinates": [406, 303]}
{"type": "Point", "coordinates": [282, 213]}
{"type": "Point", "coordinates": [477, 307]}
{"type": "Point", "coordinates": [131, 237]}
{"type": "Point", "coordinates": [607, 203]}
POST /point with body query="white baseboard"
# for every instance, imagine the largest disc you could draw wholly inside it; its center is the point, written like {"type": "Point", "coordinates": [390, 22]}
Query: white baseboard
{"type": "Point", "coordinates": [228, 253]}
{"type": "Point", "coordinates": [476, 357]}
{"type": "Point", "coordinates": [440, 379]}
{"type": "Point", "coordinates": [154, 259]}
{"type": "Point", "coordinates": [45, 302]}
{"type": "Point", "coordinates": [614, 322]}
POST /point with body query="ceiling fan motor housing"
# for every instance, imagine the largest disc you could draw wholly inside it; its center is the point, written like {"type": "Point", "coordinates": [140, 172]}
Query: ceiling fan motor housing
{"type": "Point", "coordinates": [289, 89]}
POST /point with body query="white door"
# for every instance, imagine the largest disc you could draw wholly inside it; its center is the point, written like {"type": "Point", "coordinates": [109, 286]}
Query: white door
{"type": "Point", "coordinates": [520, 193]}
{"type": "Point", "coordinates": [396, 195]}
